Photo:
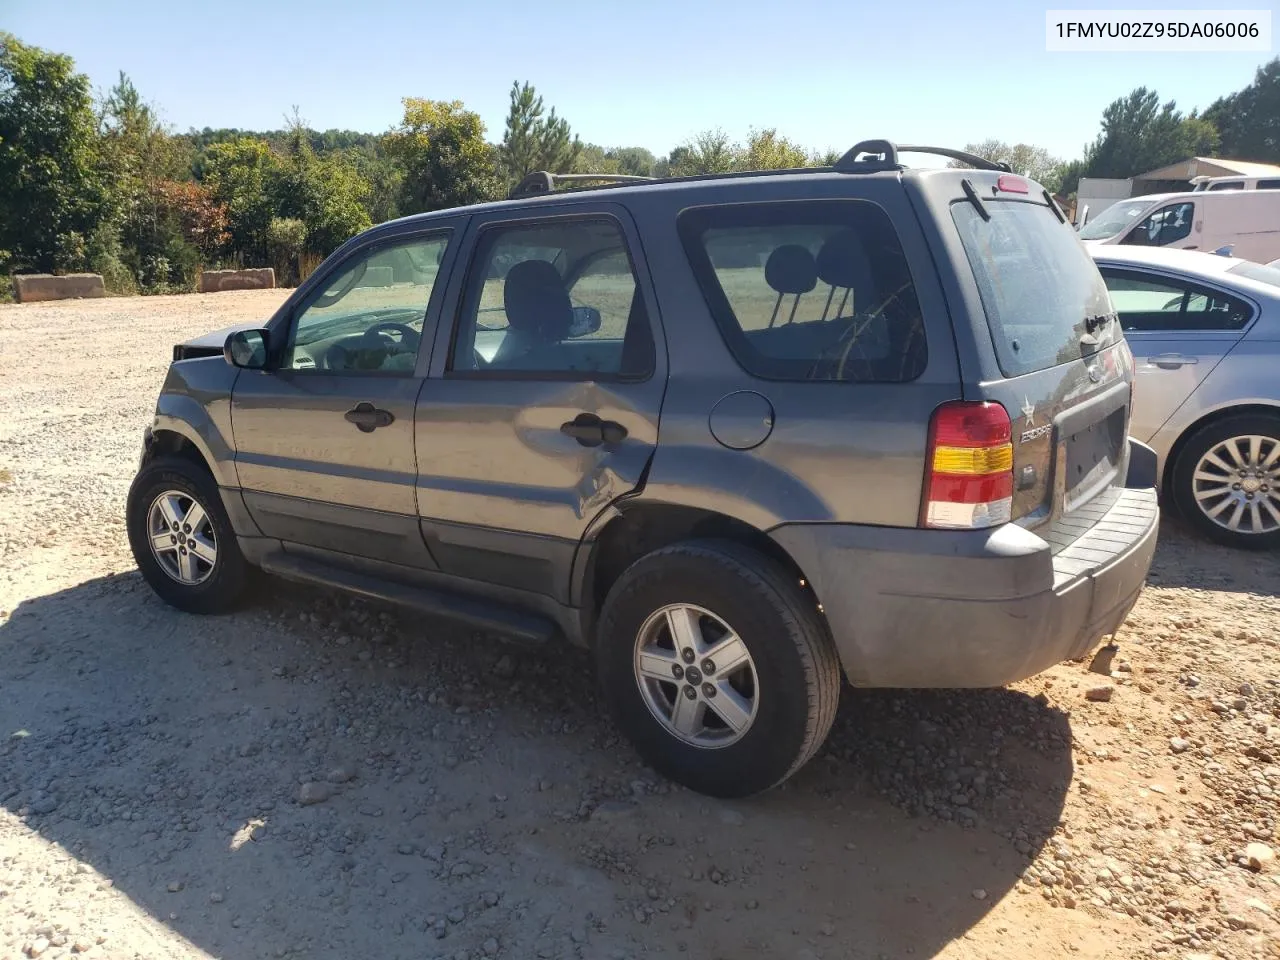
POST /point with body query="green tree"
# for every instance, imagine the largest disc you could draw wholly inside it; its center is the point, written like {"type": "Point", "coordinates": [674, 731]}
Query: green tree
{"type": "Point", "coordinates": [1249, 120]}
{"type": "Point", "coordinates": [326, 193]}
{"type": "Point", "coordinates": [286, 242]}
{"type": "Point", "coordinates": [152, 216]}
{"type": "Point", "coordinates": [1139, 134]}
{"type": "Point", "coordinates": [710, 151]}
{"type": "Point", "coordinates": [767, 151]}
{"type": "Point", "coordinates": [1025, 159]}
{"type": "Point", "coordinates": [536, 139]}
{"type": "Point", "coordinates": [52, 191]}
{"type": "Point", "coordinates": [440, 146]}
{"type": "Point", "coordinates": [238, 173]}
{"type": "Point", "coordinates": [633, 161]}
{"type": "Point", "coordinates": [596, 159]}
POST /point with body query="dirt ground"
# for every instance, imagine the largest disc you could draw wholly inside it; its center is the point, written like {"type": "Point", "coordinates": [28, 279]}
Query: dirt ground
{"type": "Point", "coordinates": [472, 802]}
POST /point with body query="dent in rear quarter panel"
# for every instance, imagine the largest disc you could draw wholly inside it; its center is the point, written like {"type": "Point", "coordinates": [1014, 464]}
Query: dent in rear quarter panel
{"type": "Point", "coordinates": [195, 402]}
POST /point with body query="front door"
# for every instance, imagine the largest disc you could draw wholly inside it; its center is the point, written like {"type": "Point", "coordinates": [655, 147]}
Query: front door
{"type": "Point", "coordinates": [1178, 331]}
{"type": "Point", "coordinates": [1173, 225]}
{"type": "Point", "coordinates": [543, 402]}
{"type": "Point", "coordinates": [324, 437]}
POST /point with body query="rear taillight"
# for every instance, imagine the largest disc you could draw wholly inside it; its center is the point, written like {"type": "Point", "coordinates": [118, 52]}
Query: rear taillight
{"type": "Point", "coordinates": [969, 477]}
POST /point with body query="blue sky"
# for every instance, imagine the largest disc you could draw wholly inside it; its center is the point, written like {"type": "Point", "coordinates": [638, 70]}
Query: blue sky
{"type": "Point", "coordinates": [649, 74]}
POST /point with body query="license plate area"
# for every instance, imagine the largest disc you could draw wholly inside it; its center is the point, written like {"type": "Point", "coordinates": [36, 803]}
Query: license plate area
{"type": "Point", "coordinates": [1092, 456]}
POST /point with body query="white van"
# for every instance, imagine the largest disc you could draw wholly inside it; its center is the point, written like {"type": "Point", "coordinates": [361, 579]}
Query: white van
{"type": "Point", "coordinates": [1235, 183]}
{"type": "Point", "coordinates": [1247, 221]}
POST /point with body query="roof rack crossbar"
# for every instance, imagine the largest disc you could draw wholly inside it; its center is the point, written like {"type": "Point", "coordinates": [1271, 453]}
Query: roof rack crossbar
{"type": "Point", "coordinates": [883, 155]}
{"type": "Point", "coordinates": [543, 181]}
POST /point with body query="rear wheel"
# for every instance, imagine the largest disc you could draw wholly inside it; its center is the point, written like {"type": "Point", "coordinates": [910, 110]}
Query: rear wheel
{"type": "Point", "coordinates": [1226, 481]}
{"type": "Point", "coordinates": [182, 539]}
{"type": "Point", "coordinates": [718, 667]}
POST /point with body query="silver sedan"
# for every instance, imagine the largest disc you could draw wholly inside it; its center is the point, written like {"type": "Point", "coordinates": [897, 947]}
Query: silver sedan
{"type": "Point", "coordinates": [1205, 335]}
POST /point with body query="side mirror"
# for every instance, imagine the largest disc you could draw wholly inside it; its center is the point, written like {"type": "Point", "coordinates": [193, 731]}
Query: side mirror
{"type": "Point", "coordinates": [586, 321]}
{"type": "Point", "coordinates": [246, 349]}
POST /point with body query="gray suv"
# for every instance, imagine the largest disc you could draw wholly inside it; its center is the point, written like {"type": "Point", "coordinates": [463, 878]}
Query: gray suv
{"type": "Point", "coordinates": [744, 437]}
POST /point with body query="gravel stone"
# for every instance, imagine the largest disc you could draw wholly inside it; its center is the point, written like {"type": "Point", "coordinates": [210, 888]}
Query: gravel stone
{"type": "Point", "coordinates": [313, 793]}
{"type": "Point", "coordinates": [1100, 694]}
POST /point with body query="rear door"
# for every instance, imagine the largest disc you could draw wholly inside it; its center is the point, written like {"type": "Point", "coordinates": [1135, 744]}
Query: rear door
{"type": "Point", "coordinates": [324, 438]}
{"type": "Point", "coordinates": [543, 402]}
{"type": "Point", "coordinates": [1178, 330]}
{"type": "Point", "coordinates": [1047, 348]}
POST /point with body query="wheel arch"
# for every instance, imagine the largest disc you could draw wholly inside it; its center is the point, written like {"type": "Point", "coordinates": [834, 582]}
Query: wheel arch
{"type": "Point", "coordinates": [629, 530]}
{"type": "Point", "coordinates": [168, 442]}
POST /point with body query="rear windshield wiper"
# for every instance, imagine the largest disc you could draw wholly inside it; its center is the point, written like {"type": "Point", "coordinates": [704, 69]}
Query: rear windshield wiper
{"type": "Point", "coordinates": [1093, 323]}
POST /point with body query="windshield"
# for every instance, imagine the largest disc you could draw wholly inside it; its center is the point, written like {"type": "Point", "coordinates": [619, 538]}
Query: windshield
{"type": "Point", "coordinates": [1045, 301]}
{"type": "Point", "coordinates": [1268, 274]}
{"type": "Point", "coordinates": [1114, 219]}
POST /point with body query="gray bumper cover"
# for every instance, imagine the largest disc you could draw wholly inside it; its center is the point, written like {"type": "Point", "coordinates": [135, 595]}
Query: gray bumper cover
{"type": "Point", "coordinates": [932, 608]}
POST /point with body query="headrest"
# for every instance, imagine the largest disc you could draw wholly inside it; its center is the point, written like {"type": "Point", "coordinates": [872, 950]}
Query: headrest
{"type": "Point", "coordinates": [790, 269]}
{"type": "Point", "coordinates": [536, 300]}
{"type": "Point", "coordinates": [843, 262]}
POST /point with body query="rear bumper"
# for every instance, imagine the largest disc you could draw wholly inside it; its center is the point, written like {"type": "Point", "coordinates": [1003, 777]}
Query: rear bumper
{"type": "Point", "coordinates": [934, 608]}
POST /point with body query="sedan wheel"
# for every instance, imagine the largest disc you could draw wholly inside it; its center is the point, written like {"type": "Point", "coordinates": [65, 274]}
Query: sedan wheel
{"type": "Point", "coordinates": [1226, 481]}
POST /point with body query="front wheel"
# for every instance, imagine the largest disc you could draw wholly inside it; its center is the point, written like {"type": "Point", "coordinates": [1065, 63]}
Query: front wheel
{"type": "Point", "coordinates": [1226, 481]}
{"type": "Point", "coordinates": [182, 539]}
{"type": "Point", "coordinates": [718, 667]}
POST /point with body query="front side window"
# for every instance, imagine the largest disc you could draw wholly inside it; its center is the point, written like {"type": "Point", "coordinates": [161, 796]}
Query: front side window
{"type": "Point", "coordinates": [368, 317]}
{"type": "Point", "coordinates": [1166, 225]}
{"type": "Point", "coordinates": [809, 291]}
{"type": "Point", "coordinates": [555, 298]}
{"type": "Point", "coordinates": [1146, 302]}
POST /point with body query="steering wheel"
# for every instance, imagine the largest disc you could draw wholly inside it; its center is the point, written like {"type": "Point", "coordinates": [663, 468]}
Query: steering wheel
{"type": "Point", "coordinates": [408, 336]}
{"type": "Point", "coordinates": [370, 350]}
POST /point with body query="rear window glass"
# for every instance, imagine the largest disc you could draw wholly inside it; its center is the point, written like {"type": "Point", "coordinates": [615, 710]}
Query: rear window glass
{"type": "Point", "coordinates": [809, 291]}
{"type": "Point", "coordinates": [1039, 287]}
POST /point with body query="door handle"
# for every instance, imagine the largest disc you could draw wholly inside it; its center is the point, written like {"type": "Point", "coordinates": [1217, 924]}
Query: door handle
{"type": "Point", "coordinates": [1171, 361]}
{"type": "Point", "coordinates": [590, 431]}
{"type": "Point", "coordinates": [367, 417]}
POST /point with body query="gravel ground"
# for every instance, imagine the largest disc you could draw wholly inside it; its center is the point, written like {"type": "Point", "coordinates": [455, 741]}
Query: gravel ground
{"type": "Point", "coordinates": [318, 777]}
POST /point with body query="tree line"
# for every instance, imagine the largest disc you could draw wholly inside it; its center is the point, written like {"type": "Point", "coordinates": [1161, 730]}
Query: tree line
{"type": "Point", "coordinates": [99, 183]}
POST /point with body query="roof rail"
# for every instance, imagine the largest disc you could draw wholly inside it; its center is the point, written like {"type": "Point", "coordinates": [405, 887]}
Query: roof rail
{"type": "Point", "coordinates": [883, 155]}
{"type": "Point", "coordinates": [543, 181]}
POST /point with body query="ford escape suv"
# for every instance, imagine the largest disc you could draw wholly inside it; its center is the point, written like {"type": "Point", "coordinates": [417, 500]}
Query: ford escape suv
{"type": "Point", "coordinates": [746, 437]}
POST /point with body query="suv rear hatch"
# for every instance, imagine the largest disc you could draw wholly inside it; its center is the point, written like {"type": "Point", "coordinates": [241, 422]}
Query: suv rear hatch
{"type": "Point", "coordinates": [1049, 350]}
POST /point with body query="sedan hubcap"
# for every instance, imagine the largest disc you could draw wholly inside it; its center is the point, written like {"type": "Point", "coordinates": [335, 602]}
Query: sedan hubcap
{"type": "Point", "coordinates": [182, 538]}
{"type": "Point", "coordinates": [1237, 484]}
{"type": "Point", "coordinates": [696, 676]}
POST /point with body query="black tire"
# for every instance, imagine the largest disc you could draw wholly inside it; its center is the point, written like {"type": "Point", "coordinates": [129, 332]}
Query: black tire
{"type": "Point", "coordinates": [225, 582]}
{"type": "Point", "coordinates": [1182, 482]}
{"type": "Point", "coordinates": [795, 660]}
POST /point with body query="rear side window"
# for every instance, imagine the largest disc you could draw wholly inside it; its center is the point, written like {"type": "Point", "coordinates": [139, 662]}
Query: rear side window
{"type": "Point", "coordinates": [809, 291]}
{"type": "Point", "coordinates": [1148, 302]}
{"type": "Point", "coordinates": [1039, 287]}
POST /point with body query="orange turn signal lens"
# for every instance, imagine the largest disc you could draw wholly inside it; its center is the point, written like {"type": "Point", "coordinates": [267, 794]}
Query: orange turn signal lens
{"type": "Point", "coordinates": [973, 461]}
